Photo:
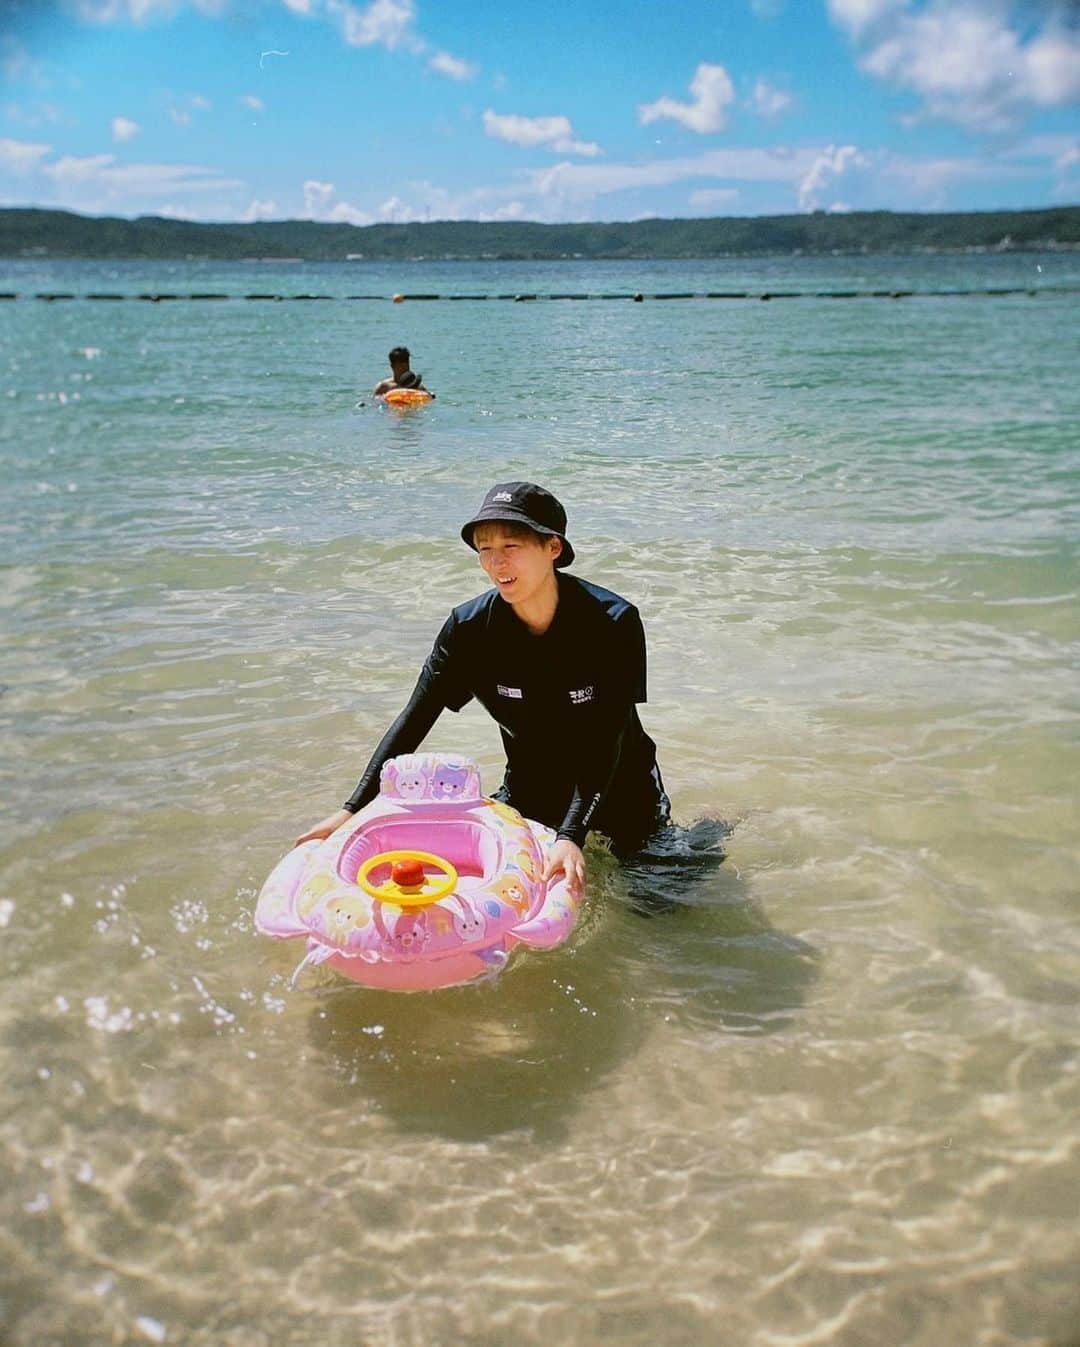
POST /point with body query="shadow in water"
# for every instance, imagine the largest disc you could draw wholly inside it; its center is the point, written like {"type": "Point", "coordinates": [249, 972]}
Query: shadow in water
{"type": "Point", "coordinates": [478, 1061]}
{"type": "Point", "coordinates": [721, 963]}
{"type": "Point", "coordinates": [475, 1062]}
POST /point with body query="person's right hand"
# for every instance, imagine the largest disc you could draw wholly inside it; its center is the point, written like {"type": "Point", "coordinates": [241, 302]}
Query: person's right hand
{"type": "Point", "coordinates": [323, 830]}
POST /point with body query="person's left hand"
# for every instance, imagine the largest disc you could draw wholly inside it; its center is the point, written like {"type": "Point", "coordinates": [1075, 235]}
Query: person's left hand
{"type": "Point", "coordinates": [567, 857]}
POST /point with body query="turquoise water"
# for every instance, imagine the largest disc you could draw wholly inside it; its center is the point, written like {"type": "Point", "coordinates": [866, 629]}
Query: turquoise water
{"type": "Point", "coordinates": [835, 1099]}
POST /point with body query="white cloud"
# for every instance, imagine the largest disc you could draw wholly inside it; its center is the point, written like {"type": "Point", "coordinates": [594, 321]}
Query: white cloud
{"type": "Point", "coordinates": [768, 101]}
{"type": "Point", "coordinates": [22, 156]}
{"type": "Point", "coordinates": [451, 66]}
{"type": "Point", "coordinates": [40, 114]}
{"type": "Point", "coordinates": [1047, 145]}
{"type": "Point", "coordinates": [98, 183]}
{"type": "Point", "coordinates": [259, 210]}
{"type": "Point", "coordinates": [963, 59]}
{"type": "Point", "coordinates": [1053, 69]}
{"type": "Point", "coordinates": [254, 103]}
{"type": "Point", "coordinates": [929, 179]}
{"type": "Point", "coordinates": [425, 201]}
{"type": "Point", "coordinates": [839, 177]}
{"type": "Point", "coordinates": [319, 204]}
{"type": "Point", "coordinates": [139, 11]}
{"type": "Point", "coordinates": [554, 132]}
{"type": "Point", "coordinates": [396, 211]}
{"type": "Point", "coordinates": [584, 181]}
{"type": "Point", "coordinates": [343, 213]}
{"type": "Point", "coordinates": [181, 112]}
{"type": "Point", "coordinates": [115, 11]}
{"type": "Point", "coordinates": [429, 202]}
{"type": "Point", "coordinates": [392, 24]}
{"type": "Point", "coordinates": [709, 198]}
{"type": "Point", "coordinates": [316, 197]}
{"type": "Point", "coordinates": [70, 169]}
{"type": "Point", "coordinates": [387, 23]}
{"type": "Point", "coordinates": [513, 210]}
{"type": "Point", "coordinates": [570, 190]}
{"type": "Point", "coordinates": [103, 172]}
{"type": "Point", "coordinates": [17, 65]}
{"type": "Point", "coordinates": [831, 164]}
{"type": "Point", "coordinates": [713, 94]}
{"type": "Point", "coordinates": [859, 15]}
{"type": "Point", "coordinates": [123, 128]}
{"type": "Point", "coordinates": [1053, 153]}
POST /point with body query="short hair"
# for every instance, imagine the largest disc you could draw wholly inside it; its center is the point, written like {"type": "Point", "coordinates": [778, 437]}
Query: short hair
{"type": "Point", "coordinates": [512, 529]}
{"type": "Point", "coordinates": [399, 354]}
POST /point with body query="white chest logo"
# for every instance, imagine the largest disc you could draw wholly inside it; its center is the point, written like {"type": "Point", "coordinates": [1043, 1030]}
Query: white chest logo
{"type": "Point", "coordinates": [508, 692]}
{"type": "Point", "coordinates": [579, 696]}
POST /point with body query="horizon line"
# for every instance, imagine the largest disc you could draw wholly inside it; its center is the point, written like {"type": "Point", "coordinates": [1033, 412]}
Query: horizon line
{"type": "Point", "coordinates": [546, 224]}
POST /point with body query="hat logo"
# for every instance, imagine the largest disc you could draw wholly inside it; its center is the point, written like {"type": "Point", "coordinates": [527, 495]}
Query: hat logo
{"type": "Point", "coordinates": [501, 495]}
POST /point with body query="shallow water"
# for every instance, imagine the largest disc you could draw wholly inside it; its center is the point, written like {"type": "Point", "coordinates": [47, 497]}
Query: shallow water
{"type": "Point", "coordinates": [833, 1099]}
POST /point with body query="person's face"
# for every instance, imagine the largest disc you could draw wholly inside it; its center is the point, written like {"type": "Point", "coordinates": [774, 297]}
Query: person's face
{"type": "Point", "coordinates": [519, 565]}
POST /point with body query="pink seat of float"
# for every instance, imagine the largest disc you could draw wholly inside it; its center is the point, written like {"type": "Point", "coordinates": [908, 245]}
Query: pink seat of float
{"type": "Point", "coordinates": [482, 891]}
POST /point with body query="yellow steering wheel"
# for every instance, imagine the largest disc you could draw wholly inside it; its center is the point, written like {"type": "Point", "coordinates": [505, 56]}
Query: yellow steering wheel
{"type": "Point", "coordinates": [408, 885]}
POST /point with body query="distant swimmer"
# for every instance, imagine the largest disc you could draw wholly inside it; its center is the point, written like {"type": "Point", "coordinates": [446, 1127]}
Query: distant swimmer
{"type": "Point", "coordinates": [401, 375]}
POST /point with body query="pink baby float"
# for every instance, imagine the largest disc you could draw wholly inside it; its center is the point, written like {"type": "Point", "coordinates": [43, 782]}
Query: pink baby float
{"type": "Point", "coordinates": [428, 886]}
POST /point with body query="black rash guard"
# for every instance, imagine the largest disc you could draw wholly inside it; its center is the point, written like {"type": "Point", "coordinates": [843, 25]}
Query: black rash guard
{"type": "Point", "coordinates": [577, 757]}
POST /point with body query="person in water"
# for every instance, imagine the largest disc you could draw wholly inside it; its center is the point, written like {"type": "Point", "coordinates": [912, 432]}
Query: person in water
{"type": "Point", "coordinates": [401, 376]}
{"type": "Point", "coordinates": [559, 664]}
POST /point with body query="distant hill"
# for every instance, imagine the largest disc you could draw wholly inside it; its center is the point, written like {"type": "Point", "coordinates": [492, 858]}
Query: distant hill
{"type": "Point", "coordinates": [56, 233]}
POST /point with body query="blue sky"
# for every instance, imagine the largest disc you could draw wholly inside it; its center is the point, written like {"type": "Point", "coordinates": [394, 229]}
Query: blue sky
{"type": "Point", "coordinates": [370, 110]}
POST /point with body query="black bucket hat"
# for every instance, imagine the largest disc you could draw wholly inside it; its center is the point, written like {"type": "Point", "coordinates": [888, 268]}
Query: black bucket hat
{"type": "Point", "coordinates": [523, 503]}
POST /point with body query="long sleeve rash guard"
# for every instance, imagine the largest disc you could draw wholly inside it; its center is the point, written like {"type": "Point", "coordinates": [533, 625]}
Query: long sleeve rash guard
{"type": "Point", "coordinates": [565, 702]}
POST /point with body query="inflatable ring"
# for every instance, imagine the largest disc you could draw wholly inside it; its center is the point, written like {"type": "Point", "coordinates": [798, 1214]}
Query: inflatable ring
{"type": "Point", "coordinates": [408, 895]}
{"type": "Point", "coordinates": [406, 397]}
{"type": "Point", "coordinates": [431, 805]}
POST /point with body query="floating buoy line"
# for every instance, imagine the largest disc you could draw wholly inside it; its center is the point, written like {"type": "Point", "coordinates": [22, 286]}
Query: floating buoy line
{"type": "Point", "coordinates": [161, 297]}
